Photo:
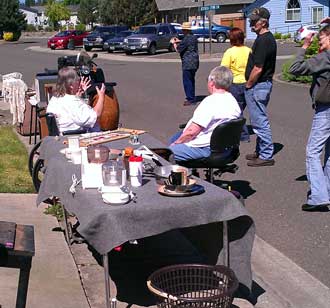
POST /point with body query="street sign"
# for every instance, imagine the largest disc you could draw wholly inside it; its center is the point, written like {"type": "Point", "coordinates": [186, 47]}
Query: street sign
{"type": "Point", "coordinates": [209, 8]}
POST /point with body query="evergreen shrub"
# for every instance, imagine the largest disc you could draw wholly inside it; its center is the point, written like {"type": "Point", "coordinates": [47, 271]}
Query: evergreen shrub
{"type": "Point", "coordinates": [277, 35]}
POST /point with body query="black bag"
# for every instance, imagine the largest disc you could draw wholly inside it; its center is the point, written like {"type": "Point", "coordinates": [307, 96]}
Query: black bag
{"type": "Point", "coordinates": [323, 93]}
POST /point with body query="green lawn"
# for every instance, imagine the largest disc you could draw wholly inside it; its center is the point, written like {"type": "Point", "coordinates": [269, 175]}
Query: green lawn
{"type": "Point", "coordinates": [14, 173]}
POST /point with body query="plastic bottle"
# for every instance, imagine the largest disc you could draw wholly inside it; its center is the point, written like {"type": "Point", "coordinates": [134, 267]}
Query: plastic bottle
{"type": "Point", "coordinates": [135, 170]}
{"type": "Point", "coordinates": [127, 153]}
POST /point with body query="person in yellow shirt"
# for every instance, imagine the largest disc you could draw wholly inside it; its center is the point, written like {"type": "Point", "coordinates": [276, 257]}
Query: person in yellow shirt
{"type": "Point", "coordinates": [235, 58]}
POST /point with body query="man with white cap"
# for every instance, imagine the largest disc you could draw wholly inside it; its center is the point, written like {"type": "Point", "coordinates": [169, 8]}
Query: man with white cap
{"type": "Point", "coordinates": [259, 75]}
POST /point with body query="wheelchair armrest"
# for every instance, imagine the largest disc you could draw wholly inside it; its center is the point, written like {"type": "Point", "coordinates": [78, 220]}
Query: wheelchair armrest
{"type": "Point", "coordinates": [110, 84]}
{"type": "Point", "coordinates": [74, 132]}
{"type": "Point", "coordinates": [182, 126]}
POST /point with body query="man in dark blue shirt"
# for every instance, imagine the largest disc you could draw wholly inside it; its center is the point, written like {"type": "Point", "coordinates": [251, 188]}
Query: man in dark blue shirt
{"type": "Point", "coordinates": [188, 49]}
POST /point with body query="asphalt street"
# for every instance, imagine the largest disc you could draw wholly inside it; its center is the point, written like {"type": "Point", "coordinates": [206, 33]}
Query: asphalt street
{"type": "Point", "coordinates": [151, 97]}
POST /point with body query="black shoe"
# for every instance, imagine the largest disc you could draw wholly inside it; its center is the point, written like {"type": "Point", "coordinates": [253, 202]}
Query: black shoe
{"type": "Point", "coordinates": [252, 156]}
{"type": "Point", "coordinates": [189, 103]}
{"type": "Point", "coordinates": [258, 162]}
{"type": "Point", "coordinates": [315, 207]}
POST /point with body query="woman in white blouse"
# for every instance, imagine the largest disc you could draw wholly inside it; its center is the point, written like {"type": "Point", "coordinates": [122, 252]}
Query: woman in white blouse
{"type": "Point", "coordinates": [70, 110]}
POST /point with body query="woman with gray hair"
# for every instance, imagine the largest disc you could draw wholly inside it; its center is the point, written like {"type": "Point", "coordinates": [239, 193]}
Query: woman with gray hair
{"type": "Point", "coordinates": [71, 112]}
{"type": "Point", "coordinates": [219, 107]}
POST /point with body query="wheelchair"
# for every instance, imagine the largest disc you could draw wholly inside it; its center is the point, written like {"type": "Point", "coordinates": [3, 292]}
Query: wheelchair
{"type": "Point", "coordinates": [48, 127]}
{"type": "Point", "coordinates": [109, 119]}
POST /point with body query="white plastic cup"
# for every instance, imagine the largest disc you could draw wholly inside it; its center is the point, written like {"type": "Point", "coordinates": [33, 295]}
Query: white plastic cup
{"type": "Point", "coordinates": [73, 142]}
{"type": "Point", "coordinates": [76, 156]}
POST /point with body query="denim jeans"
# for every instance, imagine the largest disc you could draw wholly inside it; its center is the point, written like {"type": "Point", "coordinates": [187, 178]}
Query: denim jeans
{"type": "Point", "coordinates": [257, 99]}
{"type": "Point", "coordinates": [318, 176]}
{"type": "Point", "coordinates": [182, 151]}
{"type": "Point", "coordinates": [188, 78]}
{"type": "Point", "coordinates": [237, 90]}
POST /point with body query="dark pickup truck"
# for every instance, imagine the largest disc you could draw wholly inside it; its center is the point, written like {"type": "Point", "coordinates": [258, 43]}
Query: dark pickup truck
{"type": "Point", "coordinates": [151, 38]}
{"type": "Point", "coordinates": [218, 32]}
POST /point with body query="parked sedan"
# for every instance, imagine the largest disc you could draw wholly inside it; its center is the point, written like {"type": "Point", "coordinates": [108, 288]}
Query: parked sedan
{"type": "Point", "coordinates": [303, 31]}
{"type": "Point", "coordinates": [61, 39]}
{"type": "Point", "coordinates": [117, 42]}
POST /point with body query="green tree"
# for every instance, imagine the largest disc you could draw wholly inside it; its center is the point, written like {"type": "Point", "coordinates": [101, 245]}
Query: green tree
{"type": "Point", "coordinates": [56, 11]}
{"type": "Point", "coordinates": [88, 11]}
{"type": "Point", "coordinates": [12, 19]}
{"type": "Point", "coordinates": [71, 2]}
{"type": "Point", "coordinates": [41, 2]}
{"type": "Point", "coordinates": [30, 2]}
{"type": "Point", "coordinates": [129, 12]}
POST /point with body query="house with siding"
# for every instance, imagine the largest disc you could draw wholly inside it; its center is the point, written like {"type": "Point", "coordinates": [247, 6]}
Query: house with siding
{"type": "Point", "coordinates": [35, 15]}
{"type": "Point", "coordinates": [288, 15]}
{"type": "Point", "coordinates": [229, 14]}
{"type": "Point", "coordinates": [31, 15]}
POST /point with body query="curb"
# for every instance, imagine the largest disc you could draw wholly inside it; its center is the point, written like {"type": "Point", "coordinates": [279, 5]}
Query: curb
{"type": "Point", "coordinates": [117, 57]}
{"type": "Point", "coordinates": [285, 281]}
{"type": "Point", "coordinates": [277, 78]}
{"type": "Point", "coordinates": [150, 59]}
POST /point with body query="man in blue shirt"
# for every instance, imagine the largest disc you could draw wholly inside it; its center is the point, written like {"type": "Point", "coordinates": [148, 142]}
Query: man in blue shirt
{"type": "Point", "coordinates": [188, 49]}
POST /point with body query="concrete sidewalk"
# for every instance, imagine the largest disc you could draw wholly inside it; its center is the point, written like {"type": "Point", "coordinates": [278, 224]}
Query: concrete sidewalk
{"type": "Point", "coordinates": [54, 279]}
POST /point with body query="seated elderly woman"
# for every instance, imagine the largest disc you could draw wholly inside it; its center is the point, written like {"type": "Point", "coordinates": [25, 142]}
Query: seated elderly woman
{"type": "Point", "coordinates": [219, 107]}
{"type": "Point", "coordinates": [71, 112]}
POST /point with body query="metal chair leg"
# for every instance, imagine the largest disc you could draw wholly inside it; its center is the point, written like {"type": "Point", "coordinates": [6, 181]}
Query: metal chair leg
{"type": "Point", "coordinates": [211, 175]}
{"type": "Point", "coordinates": [106, 280]}
{"type": "Point", "coordinates": [35, 125]}
{"type": "Point", "coordinates": [225, 243]}
{"type": "Point", "coordinates": [31, 124]}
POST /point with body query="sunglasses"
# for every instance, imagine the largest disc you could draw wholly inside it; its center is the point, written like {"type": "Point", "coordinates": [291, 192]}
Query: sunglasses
{"type": "Point", "coordinates": [253, 22]}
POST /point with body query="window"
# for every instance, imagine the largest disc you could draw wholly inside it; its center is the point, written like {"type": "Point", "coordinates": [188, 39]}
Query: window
{"type": "Point", "coordinates": [164, 29]}
{"type": "Point", "coordinates": [293, 10]}
{"type": "Point", "coordinates": [317, 14]}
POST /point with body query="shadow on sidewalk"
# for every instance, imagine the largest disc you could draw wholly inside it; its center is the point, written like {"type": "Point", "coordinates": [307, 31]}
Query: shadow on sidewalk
{"type": "Point", "coordinates": [244, 293]}
{"type": "Point", "coordinates": [130, 268]}
{"type": "Point", "coordinates": [243, 187]}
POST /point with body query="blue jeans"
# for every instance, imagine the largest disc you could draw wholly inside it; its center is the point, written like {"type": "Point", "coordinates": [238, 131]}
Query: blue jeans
{"type": "Point", "coordinates": [182, 151]}
{"type": "Point", "coordinates": [188, 78]}
{"type": "Point", "coordinates": [257, 99]}
{"type": "Point", "coordinates": [237, 90]}
{"type": "Point", "coordinates": [318, 176]}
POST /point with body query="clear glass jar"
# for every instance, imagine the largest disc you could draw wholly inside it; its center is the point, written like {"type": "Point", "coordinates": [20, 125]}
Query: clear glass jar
{"type": "Point", "coordinates": [114, 173]}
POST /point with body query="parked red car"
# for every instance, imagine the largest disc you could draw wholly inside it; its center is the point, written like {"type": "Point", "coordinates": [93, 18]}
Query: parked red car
{"type": "Point", "coordinates": [61, 39]}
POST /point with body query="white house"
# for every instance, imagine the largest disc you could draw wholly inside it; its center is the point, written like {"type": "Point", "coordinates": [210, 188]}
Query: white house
{"type": "Point", "coordinates": [31, 14]}
{"type": "Point", "coordinates": [35, 15]}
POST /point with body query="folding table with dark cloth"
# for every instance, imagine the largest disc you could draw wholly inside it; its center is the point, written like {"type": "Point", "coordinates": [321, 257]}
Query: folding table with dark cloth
{"type": "Point", "coordinates": [105, 227]}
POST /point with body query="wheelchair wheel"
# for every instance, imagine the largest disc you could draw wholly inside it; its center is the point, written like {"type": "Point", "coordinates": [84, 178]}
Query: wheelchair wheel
{"type": "Point", "coordinates": [37, 174]}
{"type": "Point", "coordinates": [34, 156]}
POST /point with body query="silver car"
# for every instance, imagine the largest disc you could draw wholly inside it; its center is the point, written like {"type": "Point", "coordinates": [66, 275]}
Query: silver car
{"type": "Point", "coordinates": [303, 31]}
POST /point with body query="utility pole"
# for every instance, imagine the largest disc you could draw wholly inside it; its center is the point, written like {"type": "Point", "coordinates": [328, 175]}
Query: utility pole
{"type": "Point", "coordinates": [203, 16]}
{"type": "Point", "coordinates": [203, 4]}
